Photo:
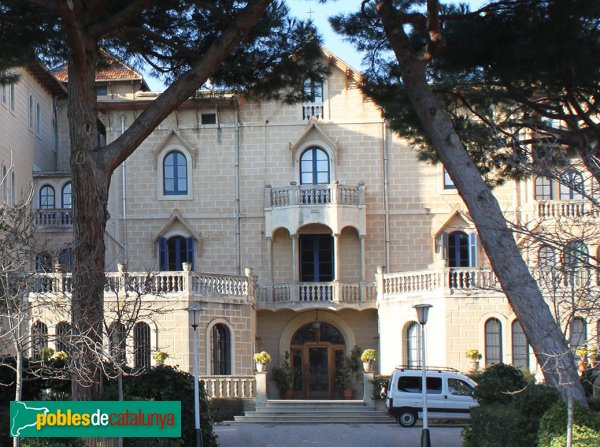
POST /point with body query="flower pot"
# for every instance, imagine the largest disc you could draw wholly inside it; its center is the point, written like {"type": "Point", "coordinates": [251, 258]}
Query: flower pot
{"type": "Point", "coordinates": [348, 393]}
{"type": "Point", "coordinates": [473, 365]}
{"type": "Point", "coordinates": [260, 367]}
{"type": "Point", "coordinates": [368, 366]}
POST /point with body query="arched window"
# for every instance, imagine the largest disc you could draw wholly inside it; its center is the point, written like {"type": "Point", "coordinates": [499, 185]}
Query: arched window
{"type": "Point", "coordinates": [13, 187]}
{"type": "Point", "coordinates": [175, 177]}
{"type": "Point", "coordinates": [314, 167]}
{"type": "Point", "coordinates": [546, 258]}
{"type": "Point", "coordinates": [141, 345]}
{"type": "Point", "coordinates": [4, 181]}
{"type": "Point", "coordinates": [520, 348]}
{"type": "Point", "coordinates": [576, 263]}
{"type": "Point", "coordinates": [578, 333]}
{"type": "Point", "coordinates": [413, 344]}
{"type": "Point", "coordinates": [462, 249]}
{"type": "Point", "coordinates": [221, 350]}
{"type": "Point", "coordinates": [493, 341]}
{"type": "Point", "coordinates": [571, 186]}
{"type": "Point", "coordinates": [66, 196]}
{"type": "Point", "coordinates": [39, 339]}
{"type": "Point", "coordinates": [47, 197]}
{"type": "Point", "coordinates": [63, 331]}
{"type": "Point", "coordinates": [66, 258]}
{"type": "Point", "coordinates": [543, 188]}
{"type": "Point", "coordinates": [173, 252]}
{"type": "Point", "coordinates": [30, 112]}
{"type": "Point", "coordinates": [117, 343]}
{"type": "Point", "coordinates": [38, 118]}
{"type": "Point", "coordinates": [43, 263]}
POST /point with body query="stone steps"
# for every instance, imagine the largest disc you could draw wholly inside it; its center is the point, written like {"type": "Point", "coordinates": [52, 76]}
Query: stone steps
{"type": "Point", "coordinates": [315, 412]}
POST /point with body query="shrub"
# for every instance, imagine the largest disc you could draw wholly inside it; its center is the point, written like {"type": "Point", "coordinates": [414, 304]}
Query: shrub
{"type": "Point", "coordinates": [225, 409]}
{"type": "Point", "coordinates": [512, 424]}
{"type": "Point", "coordinates": [497, 382]}
{"type": "Point", "coordinates": [553, 425]}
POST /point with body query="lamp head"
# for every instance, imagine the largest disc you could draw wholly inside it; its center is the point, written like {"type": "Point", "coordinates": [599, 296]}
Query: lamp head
{"type": "Point", "coordinates": [194, 315]}
{"type": "Point", "coordinates": [422, 312]}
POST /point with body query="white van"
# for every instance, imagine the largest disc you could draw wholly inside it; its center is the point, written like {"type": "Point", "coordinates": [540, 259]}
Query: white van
{"type": "Point", "coordinates": [449, 395]}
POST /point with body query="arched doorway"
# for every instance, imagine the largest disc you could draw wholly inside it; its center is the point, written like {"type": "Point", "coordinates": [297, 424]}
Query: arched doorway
{"type": "Point", "coordinates": [316, 351]}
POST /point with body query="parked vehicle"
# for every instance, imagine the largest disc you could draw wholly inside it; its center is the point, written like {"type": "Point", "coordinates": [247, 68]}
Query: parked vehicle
{"type": "Point", "coordinates": [449, 394]}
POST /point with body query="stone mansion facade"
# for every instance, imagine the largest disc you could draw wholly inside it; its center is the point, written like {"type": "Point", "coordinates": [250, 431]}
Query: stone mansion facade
{"type": "Point", "coordinates": [307, 228]}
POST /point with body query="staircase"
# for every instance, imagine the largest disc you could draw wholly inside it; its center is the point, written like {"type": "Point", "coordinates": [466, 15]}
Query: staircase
{"type": "Point", "coordinates": [315, 412]}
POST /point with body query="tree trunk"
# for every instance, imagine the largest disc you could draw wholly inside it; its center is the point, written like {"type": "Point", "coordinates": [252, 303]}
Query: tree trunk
{"type": "Point", "coordinates": [542, 331]}
{"type": "Point", "coordinates": [90, 199]}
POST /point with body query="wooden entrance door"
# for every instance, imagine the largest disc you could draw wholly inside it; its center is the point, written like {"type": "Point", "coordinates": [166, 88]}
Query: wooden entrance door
{"type": "Point", "coordinates": [316, 351]}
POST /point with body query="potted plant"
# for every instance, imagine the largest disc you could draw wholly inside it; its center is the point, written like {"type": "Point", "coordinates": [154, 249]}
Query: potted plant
{"type": "Point", "coordinates": [368, 358]}
{"type": "Point", "coordinates": [284, 378]}
{"type": "Point", "coordinates": [593, 356]}
{"type": "Point", "coordinates": [262, 358]}
{"type": "Point", "coordinates": [473, 356]}
{"type": "Point", "coordinates": [160, 357]}
{"type": "Point", "coordinates": [343, 378]}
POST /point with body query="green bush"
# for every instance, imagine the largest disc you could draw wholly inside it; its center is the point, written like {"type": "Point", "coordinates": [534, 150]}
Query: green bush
{"type": "Point", "coordinates": [167, 383]}
{"type": "Point", "coordinates": [586, 427]}
{"type": "Point", "coordinates": [497, 383]}
{"type": "Point", "coordinates": [510, 408]}
{"type": "Point", "coordinates": [225, 409]}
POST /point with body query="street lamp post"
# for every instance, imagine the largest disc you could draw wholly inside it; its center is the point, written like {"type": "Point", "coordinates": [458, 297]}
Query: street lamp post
{"type": "Point", "coordinates": [422, 314]}
{"type": "Point", "coordinates": [194, 316]}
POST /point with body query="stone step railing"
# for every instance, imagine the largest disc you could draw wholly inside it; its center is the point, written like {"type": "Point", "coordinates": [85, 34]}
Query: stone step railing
{"type": "Point", "coordinates": [242, 387]}
{"type": "Point", "coordinates": [566, 208]}
{"type": "Point", "coordinates": [315, 195]}
{"type": "Point", "coordinates": [53, 217]}
{"type": "Point", "coordinates": [320, 292]}
{"type": "Point", "coordinates": [153, 283]}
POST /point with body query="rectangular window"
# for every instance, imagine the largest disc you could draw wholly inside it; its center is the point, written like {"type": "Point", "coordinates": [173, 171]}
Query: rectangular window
{"type": "Point", "coordinates": [448, 183]}
{"type": "Point", "coordinates": [101, 90]}
{"type": "Point", "coordinates": [208, 118]}
{"type": "Point", "coordinates": [12, 97]}
{"type": "Point", "coordinates": [412, 384]}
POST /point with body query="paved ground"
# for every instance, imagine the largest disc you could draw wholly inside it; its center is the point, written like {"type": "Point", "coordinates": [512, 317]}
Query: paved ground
{"type": "Point", "coordinates": [332, 435]}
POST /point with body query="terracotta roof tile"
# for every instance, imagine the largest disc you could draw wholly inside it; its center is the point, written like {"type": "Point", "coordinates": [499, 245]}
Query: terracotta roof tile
{"type": "Point", "coordinates": [111, 70]}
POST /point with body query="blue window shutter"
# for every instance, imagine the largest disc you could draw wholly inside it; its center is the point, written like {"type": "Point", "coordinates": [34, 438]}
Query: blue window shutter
{"type": "Point", "coordinates": [163, 254]}
{"type": "Point", "coordinates": [190, 251]}
{"type": "Point", "coordinates": [473, 249]}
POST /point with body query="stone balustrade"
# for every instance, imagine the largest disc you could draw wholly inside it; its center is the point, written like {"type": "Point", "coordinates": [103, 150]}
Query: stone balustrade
{"type": "Point", "coordinates": [567, 209]}
{"type": "Point", "coordinates": [472, 278]}
{"type": "Point", "coordinates": [315, 195]}
{"type": "Point", "coordinates": [155, 283]}
{"type": "Point", "coordinates": [318, 292]}
{"type": "Point", "coordinates": [53, 217]}
{"type": "Point", "coordinates": [230, 387]}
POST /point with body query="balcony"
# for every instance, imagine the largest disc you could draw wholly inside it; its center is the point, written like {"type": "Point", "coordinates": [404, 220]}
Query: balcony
{"type": "Point", "coordinates": [472, 281]}
{"type": "Point", "coordinates": [308, 294]}
{"type": "Point", "coordinates": [185, 285]}
{"type": "Point", "coordinates": [54, 218]}
{"type": "Point", "coordinates": [330, 204]}
{"type": "Point", "coordinates": [573, 209]}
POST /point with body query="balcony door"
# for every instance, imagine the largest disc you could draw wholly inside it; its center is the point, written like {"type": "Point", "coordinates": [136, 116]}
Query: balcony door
{"type": "Point", "coordinates": [316, 258]}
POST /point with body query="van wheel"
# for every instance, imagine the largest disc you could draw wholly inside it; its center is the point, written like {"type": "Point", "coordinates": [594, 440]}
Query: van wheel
{"type": "Point", "coordinates": [407, 418]}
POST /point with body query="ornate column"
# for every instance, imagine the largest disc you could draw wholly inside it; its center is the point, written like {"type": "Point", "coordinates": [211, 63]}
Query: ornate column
{"type": "Point", "coordinates": [363, 276]}
{"type": "Point", "coordinates": [336, 257]}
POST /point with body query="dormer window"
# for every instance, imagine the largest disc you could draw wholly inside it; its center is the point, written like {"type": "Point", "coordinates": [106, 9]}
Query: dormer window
{"type": "Point", "coordinates": [312, 105]}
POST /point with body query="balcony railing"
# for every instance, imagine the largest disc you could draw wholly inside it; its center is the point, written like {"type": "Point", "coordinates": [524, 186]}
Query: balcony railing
{"type": "Point", "coordinates": [313, 110]}
{"type": "Point", "coordinates": [566, 208]}
{"type": "Point", "coordinates": [230, 387]}
{"type": "Point", "coordinates": [151, 283]}
{"type": "Point", "coordinates": [315, 195]}
{"type": "Point", "coordinates": [471, 279]}
{"type": "Point", "coordinates": [53, 217]}
{"type": "Point", "coordinates": [321, 292]}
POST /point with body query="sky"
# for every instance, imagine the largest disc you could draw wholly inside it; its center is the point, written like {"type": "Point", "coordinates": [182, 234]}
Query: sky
{"type": "Point", "coordinates": [320, 13]}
